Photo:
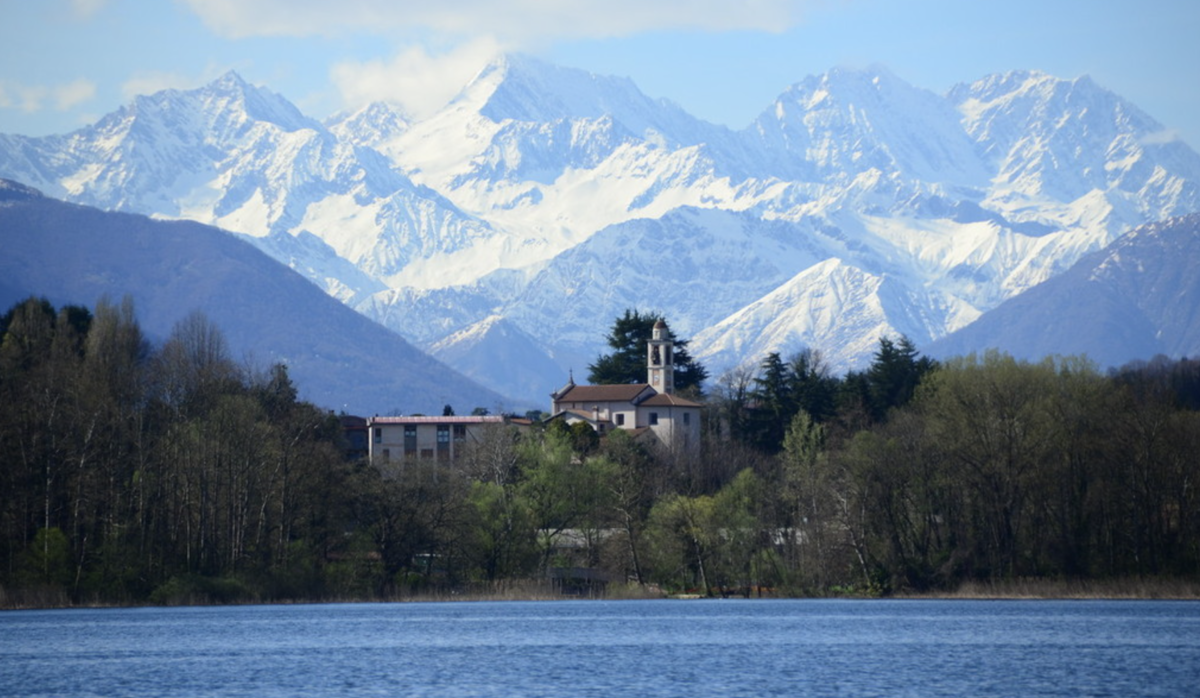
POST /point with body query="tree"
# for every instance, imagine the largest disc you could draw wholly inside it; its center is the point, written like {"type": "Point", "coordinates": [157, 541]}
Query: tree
{"type": "Point", "coordinates": [731, 404]}
{"type": "Point", "coordinates": [561, 491]}
{"type": "Point", "coordinates": [628, 339]}
{"type": "Point", "coordinates": [631, 479]}
{"type": "Point", "coordinates": [810, 386]}
{"type": "Point", "coordinates": [993, 422]}
{"type": "Point", "coordinates": [806, 495]}
{"type": "Point", "coordinates": [894, 374]}
{"type": "Point", "coordinates": [773, 403]}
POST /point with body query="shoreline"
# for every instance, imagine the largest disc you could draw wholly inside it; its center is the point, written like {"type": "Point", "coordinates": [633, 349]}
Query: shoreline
{"type": "Point", "coordinates": [1131, 589]}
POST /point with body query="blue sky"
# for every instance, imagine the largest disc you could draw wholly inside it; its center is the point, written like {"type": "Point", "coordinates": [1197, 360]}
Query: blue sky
{"type": "Point", "coordinates": [64, 63]}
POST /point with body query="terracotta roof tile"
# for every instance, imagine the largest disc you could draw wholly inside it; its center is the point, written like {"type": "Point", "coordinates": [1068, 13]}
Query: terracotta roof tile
{"type": "Point", "coordinates": [603, 393]}
{"type": "Point", "coordinates": [464, 419]}
{"type": "Point", "coordinates": [664, 400]}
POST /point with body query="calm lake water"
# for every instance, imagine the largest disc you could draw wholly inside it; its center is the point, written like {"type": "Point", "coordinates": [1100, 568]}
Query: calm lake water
{"type": "Point", "coordinates": [610, 648]}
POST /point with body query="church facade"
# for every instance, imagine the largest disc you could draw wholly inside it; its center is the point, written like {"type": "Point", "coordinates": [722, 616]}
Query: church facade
{"type": "Point", "coordinates": [644, 408]}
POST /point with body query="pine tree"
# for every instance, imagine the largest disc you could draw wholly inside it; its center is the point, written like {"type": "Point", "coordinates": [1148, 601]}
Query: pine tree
{"type": "Point", "coordinates": [627, 363]}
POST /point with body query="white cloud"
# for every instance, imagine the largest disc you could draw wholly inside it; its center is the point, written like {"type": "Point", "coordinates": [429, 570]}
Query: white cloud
{"type": "Point", "coordinates": [73, 94]}
{"type": "Point", "coordinates": [515, 22]}
{"type": "Point", "coordinates": [149, 82]}
{"type": "Point", "coordinates": [415, 80]}
{"type": "Point", "coordinates": [454, 38]}
{"type": "Point", "coordinates": [86, 9]}
{"type": "Point", "coordinates": [35, 98]}
{"type": "Point", "coordinates": [14, 95]}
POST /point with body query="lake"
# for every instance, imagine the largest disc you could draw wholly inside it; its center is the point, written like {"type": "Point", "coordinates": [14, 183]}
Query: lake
{"type": "Point", "coordinates": [610, 648]}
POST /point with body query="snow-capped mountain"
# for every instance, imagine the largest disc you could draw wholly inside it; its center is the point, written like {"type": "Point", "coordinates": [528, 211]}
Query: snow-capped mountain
{"type": "Point", "coordinates": [340, 360]}
{"type": "Point", "coordinates": [543, 201]}
{"type": "Point", "coordinates": [1135, 299]}
{"type": "Point", "coordinates": [835, 127]}
{"type": "Point", "coordinates": [243, 158]}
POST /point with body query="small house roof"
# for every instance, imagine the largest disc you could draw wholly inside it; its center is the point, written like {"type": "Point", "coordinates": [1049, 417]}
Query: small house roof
{"type": "Point", "coordinates": [580, 415]}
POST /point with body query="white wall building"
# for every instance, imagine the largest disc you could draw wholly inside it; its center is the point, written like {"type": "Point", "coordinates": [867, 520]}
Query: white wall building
{"type": "Point", "coordinates": [644, 407]}
{"type": "Point", "coordinates": [440, 438]}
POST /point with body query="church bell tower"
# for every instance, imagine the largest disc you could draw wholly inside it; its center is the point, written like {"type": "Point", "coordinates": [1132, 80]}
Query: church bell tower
{"type": "Point", "coordinates": [660, 360]}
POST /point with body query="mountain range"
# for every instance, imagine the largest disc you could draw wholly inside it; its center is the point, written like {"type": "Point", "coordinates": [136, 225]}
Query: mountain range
{"type": "Point", "coordinates": [1133, 300]}
{"type": "Point", "coordinates": [340, 360]}
{"type": "Point", "coordinates": [506, 232]}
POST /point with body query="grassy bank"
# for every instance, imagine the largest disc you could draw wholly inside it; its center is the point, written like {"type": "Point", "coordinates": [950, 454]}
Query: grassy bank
{"type": "Point", "coordinates": [1033, 588]}
{"type": "Point", "coordinates": [535, 590]}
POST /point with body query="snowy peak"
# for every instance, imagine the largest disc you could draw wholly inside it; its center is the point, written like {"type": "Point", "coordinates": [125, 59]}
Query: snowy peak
{"type": "Point", "coordinates": [526, 89]}
{"type": "Point", "coordinates": [1049, 137]}
{"type": "Point", "coordinates": [373, 126]}
{"type": "Point", "coordinates": [520, 88]}
{"type": "Point", "coordinates": [496, 352]}
{"type": "Point", "coordinates": [231, 94]}
{"type": "Point", "coordinates": [150, 155]}
{"type": "Point", "coordinates": [847, 122]}
{"type": "Point", "coordinates": [833, 306]}
{"type": "Point", "coordinates": [856, 205]}
{"type": "Point", "coordinates": [1136, 298]}
{"type": "Point", "coordinates": [223, 110]}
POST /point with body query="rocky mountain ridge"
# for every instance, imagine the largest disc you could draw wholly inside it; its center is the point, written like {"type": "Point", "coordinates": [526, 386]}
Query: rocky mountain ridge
{"type": "Point", "coordinates": [340, 360]}
{"type": "Point", "coordinates": [855, 205]}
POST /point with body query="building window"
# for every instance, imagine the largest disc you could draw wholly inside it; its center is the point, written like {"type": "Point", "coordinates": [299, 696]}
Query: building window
{"type": "Point", "coordinates": [687, 418]}
{"type": "Point", "coordinates": [387, 454]}
{"type": "Point", "coordinates": [443, 441]}
{"type": "Point", "coordinates": [410, 439]}
{"type": "Point", "coordinates": [653, 418]}
{"type": "Point", "coordinates": [378, 435]}
{"type": "Point", "coordinates": [460, 432]}
{"type": "Point", "coordinates": [620, 419]}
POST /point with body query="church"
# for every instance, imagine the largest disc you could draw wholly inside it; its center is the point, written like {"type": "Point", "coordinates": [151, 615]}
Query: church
{"type": "Point", "coordinates": [644, 408]}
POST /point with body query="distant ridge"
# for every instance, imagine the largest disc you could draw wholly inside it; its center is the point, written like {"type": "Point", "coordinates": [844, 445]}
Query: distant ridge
{"type": "Point", "coordinates": [339, 359]}
{"type": "Point", "coordinates": [1135, 299]}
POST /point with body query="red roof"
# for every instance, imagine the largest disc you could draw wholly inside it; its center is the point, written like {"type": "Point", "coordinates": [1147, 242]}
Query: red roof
{"type": "Point", "coordinates": [466, 419]}
{"type": "Point", "coordinates": [626, 392]}
{"type": "Point", "coordinates": [664, 400]}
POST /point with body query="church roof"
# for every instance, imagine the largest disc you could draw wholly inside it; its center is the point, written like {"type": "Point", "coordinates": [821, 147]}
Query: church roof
{"type": "Point", "coordinates": [665, 400]}
{"type": "Point", "coordinates": [624, 392]}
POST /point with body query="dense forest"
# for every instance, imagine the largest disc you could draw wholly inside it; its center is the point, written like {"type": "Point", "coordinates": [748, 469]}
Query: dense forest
{"type": "Point", "coordinates": [135, 473]}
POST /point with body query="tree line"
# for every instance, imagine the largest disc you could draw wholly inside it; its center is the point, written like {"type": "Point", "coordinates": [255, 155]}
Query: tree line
{"type": "Point", "coordinates": [137, 473]}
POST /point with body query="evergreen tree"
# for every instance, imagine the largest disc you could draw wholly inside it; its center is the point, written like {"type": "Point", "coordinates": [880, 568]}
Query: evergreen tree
{"type": "Point", "coordinates": [773, 403]}
{"type": "Point", "coordinates": [894, 374]}
{"type": "Point", "coordinates": [627, 363]}
{"type": "Point", "coordinates": [811, 387]}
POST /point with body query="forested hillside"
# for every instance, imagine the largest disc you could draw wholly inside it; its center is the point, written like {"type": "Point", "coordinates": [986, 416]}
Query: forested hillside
{"type": "Point", "coordinates": [136, 473]}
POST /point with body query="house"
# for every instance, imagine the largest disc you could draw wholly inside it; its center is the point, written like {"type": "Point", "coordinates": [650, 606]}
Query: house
{"type": "Point", "coordinates": [440, 438]}
{"type": "Point", "coordinates": [651, 407]}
